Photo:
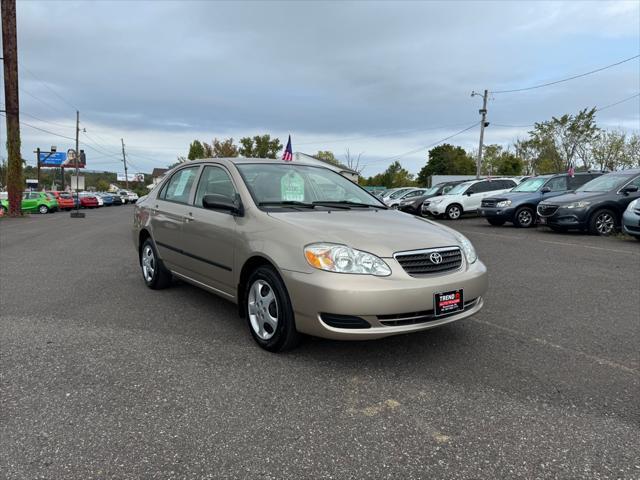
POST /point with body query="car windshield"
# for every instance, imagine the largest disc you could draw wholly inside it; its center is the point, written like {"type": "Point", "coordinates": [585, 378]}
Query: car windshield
{"type": "Point", "coordinates": [531, 185]}
{"type": "Point", "coordinates": [292, 184]}
{"type": "Point", "coordinates": [399, 193]}
{"type": "Point", "coordinates": [431, 191]}
{"type": "Point", "coordinates": [605, 183]}
{"type": "Point", "coordinates": [459, 188]}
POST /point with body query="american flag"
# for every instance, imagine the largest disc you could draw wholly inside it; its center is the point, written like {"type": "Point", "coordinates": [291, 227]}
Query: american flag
{"type": "Point", "coordinates": [288, 152]}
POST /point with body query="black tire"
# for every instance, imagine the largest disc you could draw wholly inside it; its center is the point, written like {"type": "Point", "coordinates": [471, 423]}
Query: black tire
{"type": "Point", "coordinates": [43, 209]}
{"type": "Point", "coordinates": [265, 280]}
{"type": "Point", "coordinates": [603, 222]}
{"type": "Point", "coordinates": [159, 277]}
{"type": "Point", "coordinates": [524, 217]}
{"type": "Point", "coordinates": [637, 237]}
{"type": "Point", "coordinates": [453, 212]}
{"type": "Point", "coordinates": [496, 222]}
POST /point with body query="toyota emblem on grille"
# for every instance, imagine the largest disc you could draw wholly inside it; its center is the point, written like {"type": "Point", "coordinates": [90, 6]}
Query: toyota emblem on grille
{"type": "Point", "coordinates": [436, 258]}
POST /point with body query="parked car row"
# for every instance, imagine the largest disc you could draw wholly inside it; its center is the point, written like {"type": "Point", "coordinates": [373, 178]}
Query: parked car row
{"type": "Point", "coordinates": [46, 202]}
{"type": "Point", "coordinates": [594, 202]}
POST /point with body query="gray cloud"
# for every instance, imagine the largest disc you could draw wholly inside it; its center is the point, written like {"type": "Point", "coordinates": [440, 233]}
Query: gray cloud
{"type": "Point", "coordinates": [162, 73]}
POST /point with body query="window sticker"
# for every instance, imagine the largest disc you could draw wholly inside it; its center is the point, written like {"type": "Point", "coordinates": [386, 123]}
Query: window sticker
{"type": "Point", "coordinates": [292, 187]}
{"type": "Point", "coordinates": [182, 182]}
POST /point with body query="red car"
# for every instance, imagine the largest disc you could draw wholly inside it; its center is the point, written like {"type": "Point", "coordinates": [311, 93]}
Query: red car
{"type": "Point", "coordinates": [65, 200]}
{"type": "Point", "coordinates": [86, 201]}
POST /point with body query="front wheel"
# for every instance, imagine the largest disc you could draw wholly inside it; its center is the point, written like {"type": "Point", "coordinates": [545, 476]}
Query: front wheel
{"type": "Point", "coordinates": [603, 223]}
{"type": "Point", "coordinates": [524, 218]}
{"type": "Point", "coordinates": [43, 209]}
{"type": "Point", "coordinates": [269, 312]}
{"type": "Point", "coordinates": [155, 275]}
{"type": "Point", "coordinates": [453, 212]}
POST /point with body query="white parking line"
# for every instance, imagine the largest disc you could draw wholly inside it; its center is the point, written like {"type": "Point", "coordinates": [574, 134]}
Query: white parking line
{"type": "Point", "coordinates": [541, 341]}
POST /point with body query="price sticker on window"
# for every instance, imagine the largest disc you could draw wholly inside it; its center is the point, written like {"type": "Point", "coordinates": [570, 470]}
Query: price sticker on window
{"type": "Point", "coordinates": [292, 187]}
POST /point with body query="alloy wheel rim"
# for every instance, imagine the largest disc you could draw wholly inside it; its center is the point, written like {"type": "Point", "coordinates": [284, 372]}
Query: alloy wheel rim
{"type": "Point", "coordinates": [148, 263]}
{"type": "Point", "coordinates": [262, 306]}
{"type": "Point", "coordinates": [454, 212]}
{"type": "Point", "coordinates": [604, 224]}
{"type": "Point", "coordinates": [43, 209]}
{"type": "Point", "coordinates": [524, 217]}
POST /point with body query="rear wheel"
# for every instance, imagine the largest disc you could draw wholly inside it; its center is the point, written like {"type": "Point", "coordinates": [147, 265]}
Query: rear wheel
{"type": "Point", "coordinates": [155, 275]}
{"type": "Point", "coordinates": [43, 209]}
{"type": "Point", "coordinates": [496, 221]}
{"type": "Point", "coordinates": [603, 223]}
{"type": "Point", "coordinates": [268, 310]}
{"type": "Point", "coordinates": [524, 217]}
{"type": "Point", "coordinates": [453, 212]}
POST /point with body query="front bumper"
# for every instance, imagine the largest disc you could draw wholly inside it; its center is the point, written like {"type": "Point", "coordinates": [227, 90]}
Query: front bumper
{"type": "Point", "coordinates": [495, 212]}
{"type": "Point", "coordinates": [399, 299]}
{"type": "Point", "coordinates": [437, 209]}
{"type": "Point", "coordinates": [566, 218]}
{"type": "Point", "coordinates": [631, 223]}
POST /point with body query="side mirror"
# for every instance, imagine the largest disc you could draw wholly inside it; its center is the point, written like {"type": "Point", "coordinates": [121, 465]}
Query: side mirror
{"type": "Point", "coordinates": [629, 189]}
{"type": "Point", "coordinates": [545, 190]}
{"type": "Point", "coordinates": [469, 192]}
{"type": "Point", "coordinates": [223, 203]}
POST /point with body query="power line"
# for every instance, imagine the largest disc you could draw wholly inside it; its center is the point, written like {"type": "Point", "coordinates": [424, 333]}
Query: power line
{"type": "Point", "coordinates": [46, 121]}
{"type": "Point", "coordinates": [43, 130]}
{"type": "Point", "coordinates": [567, 79]}
{"type": "Point", "coordinates": [22, 67]}
{"type": "Point", "coordinates": [423, 148]}
{"type": "Point", "coordinates": [598, 109]}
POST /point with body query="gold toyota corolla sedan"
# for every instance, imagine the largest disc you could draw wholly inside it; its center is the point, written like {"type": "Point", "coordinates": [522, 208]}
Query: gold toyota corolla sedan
{"type": "Point", "coordinates": [303, 250]}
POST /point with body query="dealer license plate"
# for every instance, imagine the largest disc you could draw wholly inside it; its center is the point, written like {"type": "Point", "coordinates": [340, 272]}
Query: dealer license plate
{"type": "Point", "coordinates": [448, 302]}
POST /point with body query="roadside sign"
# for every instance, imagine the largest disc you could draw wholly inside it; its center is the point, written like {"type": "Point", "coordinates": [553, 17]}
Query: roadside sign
{"type": "Point", "coordinates": [55, 159]}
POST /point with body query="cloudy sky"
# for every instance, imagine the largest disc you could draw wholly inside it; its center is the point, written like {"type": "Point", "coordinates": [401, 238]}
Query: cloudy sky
{"type": "Point", "coordinates": [381, 78]}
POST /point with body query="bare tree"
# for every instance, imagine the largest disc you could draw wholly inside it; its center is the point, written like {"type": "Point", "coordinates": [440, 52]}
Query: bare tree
{"type": "Point", "coordinates": [353, 161]}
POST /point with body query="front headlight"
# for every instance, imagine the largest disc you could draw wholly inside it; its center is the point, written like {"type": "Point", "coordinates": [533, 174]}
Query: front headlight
{"type": "Point", "coordinates": [581, 204]}
{"type": "Point", "coordinates": [437, 201]}
{"type": "Point", "coordinates": [467, 248]}
{"type": "Point", "coordinates": [504, 203]}
{"type": "Point", "coordinates": [634, 204]}
{"type": "Point", "coordinates": [342, 259]}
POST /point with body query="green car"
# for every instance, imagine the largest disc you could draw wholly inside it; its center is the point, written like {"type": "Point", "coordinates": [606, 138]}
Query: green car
{"type": "Point", "coordinates": [40, 202]}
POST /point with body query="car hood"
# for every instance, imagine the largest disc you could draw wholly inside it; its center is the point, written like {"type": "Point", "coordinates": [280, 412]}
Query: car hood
{"type": "Point", "coordinates": [515, 196]}
{"type": "Point", "coordinates": [381, 232]}
{"type": "Point", "coordinates": [575, 197]}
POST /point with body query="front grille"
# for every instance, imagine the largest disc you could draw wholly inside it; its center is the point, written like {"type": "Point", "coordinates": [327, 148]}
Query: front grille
{"type": "Point", "coordinates": [424, 262]}
{"type": "Point", "coordinates": [547, 210]}
{"type": "Point", "coordinates": [636, 211]}
{"type": "Point", "coordinates": [489, 202]}
{"type": "Point", "coordinates": [425, 204]}
{"type": "Point", "coordinates": [413, 318]}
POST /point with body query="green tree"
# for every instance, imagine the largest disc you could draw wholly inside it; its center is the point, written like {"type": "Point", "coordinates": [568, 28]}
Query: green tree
{"type": "Point", "coordinates": [509, 164]}
{"type": "Point", "coordinates": [224, 148]}
{"type": "Point", "coordinates": [260, 146]}
{"type": "Point", "coordinates": [446, 159]}
{"type": "Point", "coordinates": [102, 185]}
{"type": "Point", "coordinates": [327, 156]}
{"type": "Point", "coordinates": [393, 176]}
{"type": "Point", "coordinates": [196, 150]}
{"type": "Point", "coordinates": [569, 135]}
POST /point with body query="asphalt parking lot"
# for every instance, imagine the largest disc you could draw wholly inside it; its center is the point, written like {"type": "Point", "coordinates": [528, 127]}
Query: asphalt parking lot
{"type": "Point", "coordinates": [104, 378]}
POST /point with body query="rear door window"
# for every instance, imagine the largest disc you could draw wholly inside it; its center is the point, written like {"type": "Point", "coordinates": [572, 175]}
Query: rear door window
{"type": "Point", "coordinates": [178, 188]}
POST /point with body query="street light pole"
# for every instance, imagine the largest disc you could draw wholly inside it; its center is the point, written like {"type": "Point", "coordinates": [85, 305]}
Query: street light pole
{"type": "Point", "coordinates": [483, 124]}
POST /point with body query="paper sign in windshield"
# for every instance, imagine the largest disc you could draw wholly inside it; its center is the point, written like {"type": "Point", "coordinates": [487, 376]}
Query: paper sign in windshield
{"type": "Point", "coordinates": [292, 187]}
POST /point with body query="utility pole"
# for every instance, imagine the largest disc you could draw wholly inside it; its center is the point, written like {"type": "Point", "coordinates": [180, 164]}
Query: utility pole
{"type": "Point", "coordinates": [124, 159]}
{"type": "Point", "coordinates": [38, 164]}
{"type": "Point", "coordinates": [483, 124]}
{"type": "Point", "coordinates": [77, 213]}
{"type": "Point", "coordinates": [12, 105]}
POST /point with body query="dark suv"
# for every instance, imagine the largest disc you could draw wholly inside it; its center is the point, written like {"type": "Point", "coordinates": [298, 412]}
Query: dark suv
{"type": "Point", "coordinates": [519, 205]}
{"type": "Point", "coordinates": [596, 207]}
{"type": "Point", "coordinates": [414, 205]}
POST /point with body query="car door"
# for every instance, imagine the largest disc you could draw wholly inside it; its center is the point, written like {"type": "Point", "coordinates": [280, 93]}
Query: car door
{"type": "Point", "coordinates": [557, 186]}
{"type": "Point", "coordinates": [30, 201]}
{"type": "Point", "coordinates": [474, 195]}
{"type": "Point", "coordinates": [168, 211]}
{"type": "Point", "coordinates": [209, 236]}
{"type": "Point", "coordinates": [624, 199]}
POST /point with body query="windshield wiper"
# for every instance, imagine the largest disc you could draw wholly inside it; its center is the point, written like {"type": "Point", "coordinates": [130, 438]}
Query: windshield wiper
{"type": "Point", "coordinates": [287, 203]}
{"type": "Point", "coordinates": [348, 204]}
